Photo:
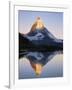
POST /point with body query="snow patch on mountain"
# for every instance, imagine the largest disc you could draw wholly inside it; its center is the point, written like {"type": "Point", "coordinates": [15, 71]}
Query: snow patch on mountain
{"type": "Point", "coordinates": [38, 36]}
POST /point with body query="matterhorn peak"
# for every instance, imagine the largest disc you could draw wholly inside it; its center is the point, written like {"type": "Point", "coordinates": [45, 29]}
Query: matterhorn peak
{"type": "Point", "coordinates": [38, 24]}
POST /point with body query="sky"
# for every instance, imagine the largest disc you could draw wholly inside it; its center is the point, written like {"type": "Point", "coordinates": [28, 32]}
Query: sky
{"type": "Point", "coordinates": [53, 21]}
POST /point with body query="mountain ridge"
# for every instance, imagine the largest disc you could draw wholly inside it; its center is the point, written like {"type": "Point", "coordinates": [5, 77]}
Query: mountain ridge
{"type": "Point", "coordinates": [40, 38]}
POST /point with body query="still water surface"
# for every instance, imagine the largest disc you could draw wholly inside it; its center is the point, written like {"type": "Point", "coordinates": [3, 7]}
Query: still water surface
{"type": "Point", "coordinates": [41, 65]}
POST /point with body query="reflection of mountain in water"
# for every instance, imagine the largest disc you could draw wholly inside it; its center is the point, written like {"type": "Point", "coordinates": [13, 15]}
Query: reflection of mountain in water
{"type": "Point", "coordinates": [39, 59]}
{"type": "Point", "coordinates": [39, 46]}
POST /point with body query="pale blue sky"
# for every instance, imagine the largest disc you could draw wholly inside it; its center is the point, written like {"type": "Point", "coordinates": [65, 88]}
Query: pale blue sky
{"type": "Point", "coordinates": [53, 21]}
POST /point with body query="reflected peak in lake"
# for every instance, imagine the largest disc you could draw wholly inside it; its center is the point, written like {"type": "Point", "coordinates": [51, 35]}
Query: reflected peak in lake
{"type": "Point", "coordinates": [40, 64]}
